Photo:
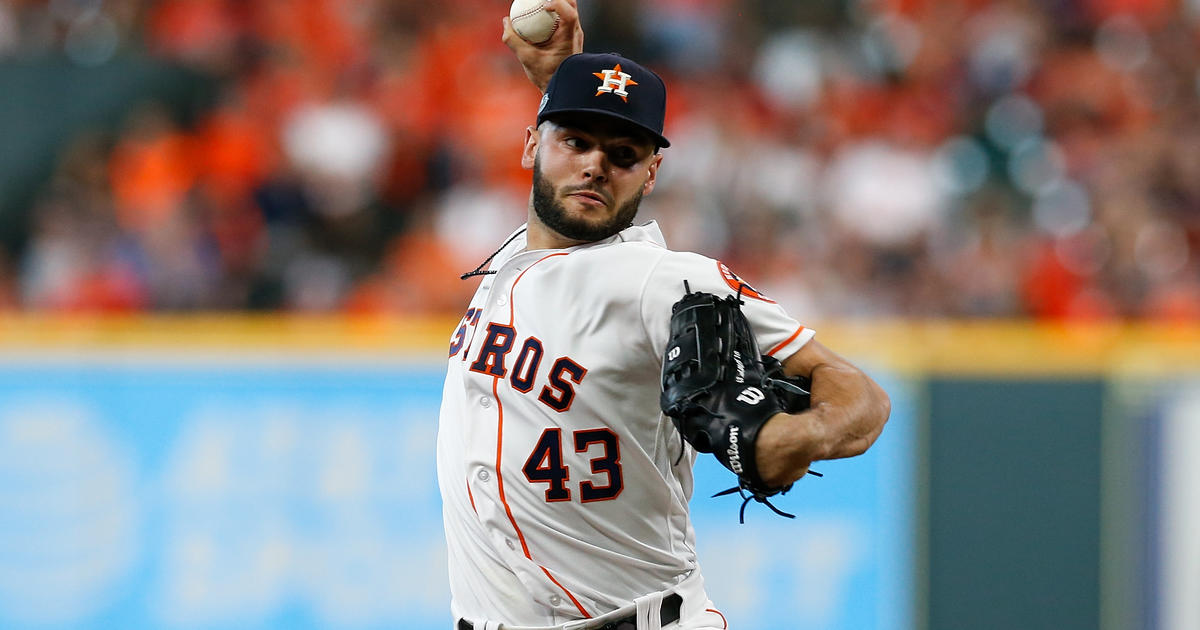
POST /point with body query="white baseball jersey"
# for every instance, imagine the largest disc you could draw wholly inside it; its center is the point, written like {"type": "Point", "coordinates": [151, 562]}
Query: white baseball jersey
{"type": "Point", "coordinates": [560, 493]}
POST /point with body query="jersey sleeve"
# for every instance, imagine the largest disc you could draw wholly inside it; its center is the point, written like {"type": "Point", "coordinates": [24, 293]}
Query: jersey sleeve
{"type": "Point", "coordinates": [778, 334]}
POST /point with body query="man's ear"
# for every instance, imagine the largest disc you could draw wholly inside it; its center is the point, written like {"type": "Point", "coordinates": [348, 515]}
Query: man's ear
{"type": "Point", "coordinates": [649, 185]}
{"type": "Point", "coordinates": [532, 136]}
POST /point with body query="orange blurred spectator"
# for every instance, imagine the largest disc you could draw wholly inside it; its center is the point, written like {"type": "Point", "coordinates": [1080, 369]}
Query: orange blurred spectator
{"type": "Point", "coordinates": [419, 275]}
{"type": "Point", "coordinates": [151, 169]}
{"type": "Point", "coordinates": [199, 32]}
{"type": "Point", "coordinates": [114, 289]}
{"type": "Point", "coordinates": [328, 36]}
{"type": "Point", "coordinates": [1177, 301]}
{"type": "Point", "coordinates": [1156, 12]}
{"type": "Point", "coordinates": [1053, 289]}
{"type": "Point", "coordinates": [234, 153]}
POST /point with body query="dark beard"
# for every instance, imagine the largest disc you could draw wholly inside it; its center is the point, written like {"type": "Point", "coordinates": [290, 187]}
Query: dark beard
{"type": "Point", "coordinates": [553, 214]}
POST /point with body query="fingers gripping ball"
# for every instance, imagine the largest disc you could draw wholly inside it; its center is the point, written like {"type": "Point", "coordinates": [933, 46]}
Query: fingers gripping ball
{"type": "Point", "coordinates": [532, 20]}
{"type": "Point", "coordinates": [717, 390]}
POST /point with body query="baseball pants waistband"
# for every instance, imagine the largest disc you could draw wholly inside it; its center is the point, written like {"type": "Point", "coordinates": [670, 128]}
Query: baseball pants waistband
{"type": "Point", "coordinates": [668, 612]}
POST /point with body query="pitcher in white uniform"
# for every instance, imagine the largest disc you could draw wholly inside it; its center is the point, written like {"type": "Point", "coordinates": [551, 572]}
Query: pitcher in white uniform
{"type": "Point", "coordinates": [565, 495]}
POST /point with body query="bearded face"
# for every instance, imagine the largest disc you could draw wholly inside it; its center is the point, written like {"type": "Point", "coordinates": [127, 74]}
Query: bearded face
{"type": "Point", "coordinates": [552, 211]}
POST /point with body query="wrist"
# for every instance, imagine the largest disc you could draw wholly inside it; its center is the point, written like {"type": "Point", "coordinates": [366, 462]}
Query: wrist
{"type": "Point", "coordinates": [807, 438]}
{"type": "Point", "coordinates": [787, 444]}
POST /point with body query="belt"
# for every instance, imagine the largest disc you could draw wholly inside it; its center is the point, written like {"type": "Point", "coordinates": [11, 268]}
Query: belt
{"type": "Point", "coordinates": [668, 613]}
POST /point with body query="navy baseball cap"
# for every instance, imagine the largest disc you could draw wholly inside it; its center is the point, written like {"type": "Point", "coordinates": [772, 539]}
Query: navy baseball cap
{"type": "Point", "coordinates": [611, 85]}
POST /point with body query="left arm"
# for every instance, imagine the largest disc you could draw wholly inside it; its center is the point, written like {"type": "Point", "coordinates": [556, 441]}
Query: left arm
{"type": "Point", "coordinates": [847, 414]}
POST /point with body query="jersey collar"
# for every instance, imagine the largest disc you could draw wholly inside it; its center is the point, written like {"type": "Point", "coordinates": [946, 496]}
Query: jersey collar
{"type": "Point", "coordinates": [648, 232]}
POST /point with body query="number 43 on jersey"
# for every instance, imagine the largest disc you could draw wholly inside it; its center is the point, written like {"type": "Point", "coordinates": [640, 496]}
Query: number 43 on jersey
{"type": "Point", "coordinates": [545, 465]}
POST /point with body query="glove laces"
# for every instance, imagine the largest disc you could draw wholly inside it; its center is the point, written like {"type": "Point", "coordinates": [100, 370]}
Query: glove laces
{"type": "Point", "coordinates": [788, 385]}
{"type": "Point", "coordinates": [746, 501]}
{"type": "Point", "coordinates": [754, 496]}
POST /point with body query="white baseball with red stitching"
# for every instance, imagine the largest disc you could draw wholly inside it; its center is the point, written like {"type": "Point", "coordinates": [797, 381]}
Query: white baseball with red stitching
{"type": "Point", "coordinates": [532, 20]}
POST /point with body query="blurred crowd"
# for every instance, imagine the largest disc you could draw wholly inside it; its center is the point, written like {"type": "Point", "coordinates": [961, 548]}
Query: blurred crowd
{"type": "Point", "coordinates": [915, 158]}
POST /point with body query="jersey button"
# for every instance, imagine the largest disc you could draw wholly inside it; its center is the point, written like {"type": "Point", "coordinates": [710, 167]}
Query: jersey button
{"type": "Point", "coordinates": [509, 542]}
{"type": "Point", "coordinates": [502, 301]}
{"type": "Point", "coordinates": [484, 475]}
{"type": "Point", "coordinates": [555, 600]}
{"type": "Point", "coordinates": [485, 402]}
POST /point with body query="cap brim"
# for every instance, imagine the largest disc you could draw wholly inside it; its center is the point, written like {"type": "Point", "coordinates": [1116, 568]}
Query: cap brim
{"type": "Point", "coordinates": [658, 137]}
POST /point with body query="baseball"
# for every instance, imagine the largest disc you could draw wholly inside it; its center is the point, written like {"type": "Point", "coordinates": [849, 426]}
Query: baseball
{"type": "Point", "coordinates": [532, 21]}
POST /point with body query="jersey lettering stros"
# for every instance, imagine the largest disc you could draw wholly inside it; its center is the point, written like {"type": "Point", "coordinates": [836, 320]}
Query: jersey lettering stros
{"type": "Point", "coordinates": [561, 499]}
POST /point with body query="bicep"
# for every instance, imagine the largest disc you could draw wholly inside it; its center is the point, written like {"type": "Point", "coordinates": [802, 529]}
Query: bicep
{"type": "Point", "coordinates": [809, 357]}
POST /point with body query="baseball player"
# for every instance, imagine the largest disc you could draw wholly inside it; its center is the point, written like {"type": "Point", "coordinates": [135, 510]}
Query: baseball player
{"type": "Point", "coordinates": [565, 489]}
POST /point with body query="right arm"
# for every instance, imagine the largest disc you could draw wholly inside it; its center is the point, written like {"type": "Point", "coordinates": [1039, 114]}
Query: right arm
{"type": "Point", "coordinates": [541, 60]}
{"type": "Point", "coordinates": [847, 415]}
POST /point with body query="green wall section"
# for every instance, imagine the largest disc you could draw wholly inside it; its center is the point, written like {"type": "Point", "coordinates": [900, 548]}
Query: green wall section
{"type": "Point", "coordinates": [47, 101]}
{"type": "Point", "coordinates": [1014, 504]}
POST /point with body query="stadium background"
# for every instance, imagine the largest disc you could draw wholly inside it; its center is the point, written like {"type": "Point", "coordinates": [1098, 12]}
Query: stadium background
{"type": "Point", "coordinates": [230, 235]}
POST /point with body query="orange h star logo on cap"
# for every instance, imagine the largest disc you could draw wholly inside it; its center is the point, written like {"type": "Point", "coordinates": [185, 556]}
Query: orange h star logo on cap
{"type": "Point", "coordinates": [615, 81]}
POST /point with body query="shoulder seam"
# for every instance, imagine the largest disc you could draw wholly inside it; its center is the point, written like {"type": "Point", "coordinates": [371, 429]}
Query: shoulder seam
{"type": "Point", "coordinates": [642, 293]}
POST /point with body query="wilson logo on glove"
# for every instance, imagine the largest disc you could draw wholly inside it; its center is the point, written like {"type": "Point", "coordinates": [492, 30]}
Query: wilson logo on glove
{"type": "Point", "coordinates": [735, 455]}
{"type": "Point", "coordinates": [751, 396]}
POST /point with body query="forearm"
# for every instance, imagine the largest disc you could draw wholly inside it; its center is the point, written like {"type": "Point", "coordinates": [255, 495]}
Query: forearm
{"type": "Point", "coordinates": [847, 414]}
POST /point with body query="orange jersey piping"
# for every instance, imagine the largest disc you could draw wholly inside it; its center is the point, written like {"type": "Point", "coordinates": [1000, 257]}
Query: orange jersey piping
{"type": "Point", "coordinates": [785, 342]}
{"type": "Point", "coordinates": [500, 442]}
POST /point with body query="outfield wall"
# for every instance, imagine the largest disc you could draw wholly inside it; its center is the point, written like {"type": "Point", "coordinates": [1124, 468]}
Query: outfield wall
{"type": "Point", "coordinates": [258, 472]}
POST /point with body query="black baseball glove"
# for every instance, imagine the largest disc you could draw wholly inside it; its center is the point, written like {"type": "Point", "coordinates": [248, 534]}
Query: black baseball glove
{"type": "Point", "coordinates": [719, 390]}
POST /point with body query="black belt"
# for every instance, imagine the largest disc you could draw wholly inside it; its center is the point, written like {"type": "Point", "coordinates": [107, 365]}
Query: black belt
{"type": "Point", "coordinates": [668, 613]}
